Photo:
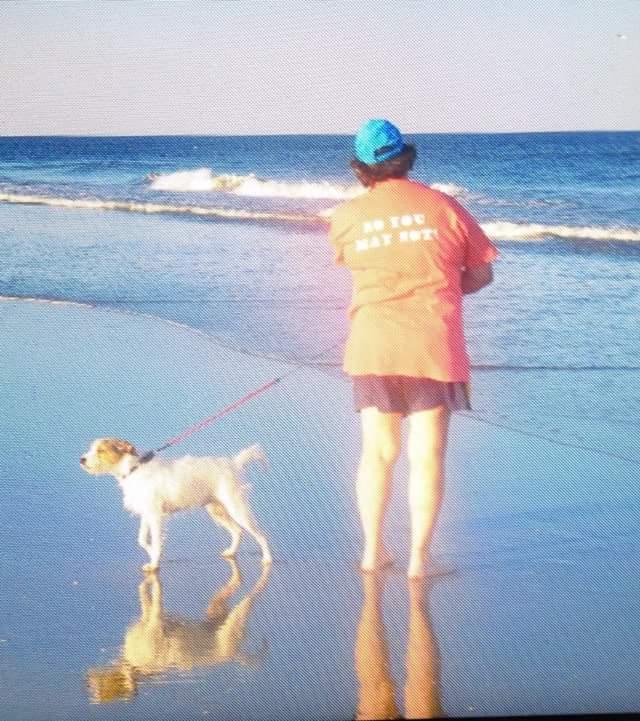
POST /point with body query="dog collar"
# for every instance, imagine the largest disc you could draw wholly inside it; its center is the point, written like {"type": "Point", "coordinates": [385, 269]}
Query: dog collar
{"type": "Point", "coordinates": [141, 461]}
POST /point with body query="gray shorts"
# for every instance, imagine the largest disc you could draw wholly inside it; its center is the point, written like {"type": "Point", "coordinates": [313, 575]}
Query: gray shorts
{"type": "Point", "coordinates": [402, 394]}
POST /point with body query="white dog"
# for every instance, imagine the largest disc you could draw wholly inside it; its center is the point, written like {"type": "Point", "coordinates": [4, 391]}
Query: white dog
{"type": "Point", "coordinates": [155, 488]}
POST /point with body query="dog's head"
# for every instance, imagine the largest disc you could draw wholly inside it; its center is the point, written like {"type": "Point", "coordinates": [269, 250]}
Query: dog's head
{"type": "Point", "coordinates": [107, 455]}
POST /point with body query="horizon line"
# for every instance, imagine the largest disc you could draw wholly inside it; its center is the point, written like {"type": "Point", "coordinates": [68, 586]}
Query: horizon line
{"type": "Point", "coordinates": [309, 135]}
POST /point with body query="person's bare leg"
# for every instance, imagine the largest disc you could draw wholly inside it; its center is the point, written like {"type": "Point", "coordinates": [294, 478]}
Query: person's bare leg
{"type": "Point", "coordinates": [427, 448]}
{"type": "Point", "coordinates": [380, 449]}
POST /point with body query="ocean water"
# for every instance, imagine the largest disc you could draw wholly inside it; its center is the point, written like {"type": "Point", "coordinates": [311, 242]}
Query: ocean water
{"type": "Point", "coordinates": [542, 541]}
{"type": "Point", "coordinates": [562, 207]}
{"type": "Point", "coordinates": [226, 237]}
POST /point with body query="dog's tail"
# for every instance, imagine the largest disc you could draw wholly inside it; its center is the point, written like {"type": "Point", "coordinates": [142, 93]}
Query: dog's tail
{"type": "Point", "coordinates": [252, 453]}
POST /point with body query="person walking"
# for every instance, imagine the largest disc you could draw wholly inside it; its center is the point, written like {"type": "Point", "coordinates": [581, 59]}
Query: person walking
{"type": "Point", "coordinates": [413, 252]}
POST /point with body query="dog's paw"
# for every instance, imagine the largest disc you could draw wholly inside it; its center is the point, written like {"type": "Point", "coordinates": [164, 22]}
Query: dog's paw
{"type": "Point", "coordinates": [228, 553]}
{"type": "Point", "coordinates": [150, 567]}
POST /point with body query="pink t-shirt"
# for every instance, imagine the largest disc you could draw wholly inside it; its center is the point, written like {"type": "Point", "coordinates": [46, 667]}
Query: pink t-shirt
{"type": "Point", "coordinates": [406, 245]}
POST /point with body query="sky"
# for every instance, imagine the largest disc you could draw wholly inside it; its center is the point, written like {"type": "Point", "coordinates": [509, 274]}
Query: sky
{"type": "Point", "coordinates": [300, 67]}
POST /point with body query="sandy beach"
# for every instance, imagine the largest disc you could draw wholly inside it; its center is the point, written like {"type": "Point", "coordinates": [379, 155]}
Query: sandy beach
{"type": "Point", "coordinates": [538, 615]}
{"type": "Point", "coordinates": [173, 179]}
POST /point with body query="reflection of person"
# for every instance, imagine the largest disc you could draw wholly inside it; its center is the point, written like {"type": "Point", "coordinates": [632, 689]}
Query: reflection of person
{"type": "Point", "coordinates": [157, 642]}
{"type": "Point", "coordinates": [377, 696]}
{"type": "Point", "coordinates": [422, 691]}
{"type": "Point", "coordinates": [376, 693]}
{"type": "Point", "coordinates": [413, 252]}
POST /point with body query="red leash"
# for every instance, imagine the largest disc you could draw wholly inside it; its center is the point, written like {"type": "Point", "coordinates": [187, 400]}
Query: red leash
{"type": "Point", "coordinates": [210, 419]}
{"type": "Point", "coordinates": [231, 407]}
{"type": "Point", "coordinates": [206, 421]}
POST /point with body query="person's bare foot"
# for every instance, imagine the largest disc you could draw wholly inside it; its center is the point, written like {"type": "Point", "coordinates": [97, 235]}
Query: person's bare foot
{"type": "Point", "coordinates": [428, 569]}
{"type": "Point", "coordinates": [416, 569]}
{"type": "Point", "coordinates": [376, 560]}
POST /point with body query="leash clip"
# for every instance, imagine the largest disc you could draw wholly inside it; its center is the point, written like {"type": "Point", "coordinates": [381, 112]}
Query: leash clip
{"type": "Point", "coordinates": [147, 457]}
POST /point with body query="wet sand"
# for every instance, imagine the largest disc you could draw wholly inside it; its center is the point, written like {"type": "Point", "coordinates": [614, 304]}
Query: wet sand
{"type": "Point", "coordinates": [540, 615]}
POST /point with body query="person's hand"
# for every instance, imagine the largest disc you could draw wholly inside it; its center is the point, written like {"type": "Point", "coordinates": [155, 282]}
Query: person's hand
{"type": "Point", "coordinates": [474, 279]}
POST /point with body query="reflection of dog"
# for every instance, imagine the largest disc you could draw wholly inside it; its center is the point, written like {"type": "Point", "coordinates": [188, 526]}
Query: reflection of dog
{"type": "Point", "coordinates": [158, 643]}
{"type": "Point", "coordinates": [157, 487]}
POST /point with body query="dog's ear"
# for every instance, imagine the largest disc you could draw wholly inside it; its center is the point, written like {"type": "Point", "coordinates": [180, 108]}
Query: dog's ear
{"type": "Point", "coordinates": [122, 447]}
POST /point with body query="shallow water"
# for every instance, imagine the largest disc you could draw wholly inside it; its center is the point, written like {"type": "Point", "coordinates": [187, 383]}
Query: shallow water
{"type": "Point", "coordinates": [540, 522]}
{"type": "Point", "coordinates": [538, 617]}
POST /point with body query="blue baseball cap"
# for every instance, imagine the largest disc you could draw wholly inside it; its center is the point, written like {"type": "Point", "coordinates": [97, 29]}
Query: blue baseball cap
{"type": "Point", "coordinates": [378, 140]}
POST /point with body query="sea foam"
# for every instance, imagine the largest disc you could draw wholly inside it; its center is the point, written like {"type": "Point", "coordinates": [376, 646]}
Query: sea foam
{"type": "Point", "coordinates": [142, 207]}
{"type": "Point", "coordinates": [529, 231]}
{"type": "Point", "coordinates": [498, 230]}
{"type": "Point", "coordinates": [205, 180]}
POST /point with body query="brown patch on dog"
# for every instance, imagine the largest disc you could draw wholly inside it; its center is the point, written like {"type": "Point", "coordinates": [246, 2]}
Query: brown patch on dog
{"type": "Point", "coordinates": [121, 447]}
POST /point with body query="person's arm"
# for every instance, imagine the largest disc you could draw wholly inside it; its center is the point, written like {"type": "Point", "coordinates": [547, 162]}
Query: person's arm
{"type": "Point", "coordinates": [337, 232]}
{"type": "Point", "coordinates": [479, 253]}
{"type": "Point", "coordinates": [475, 279]}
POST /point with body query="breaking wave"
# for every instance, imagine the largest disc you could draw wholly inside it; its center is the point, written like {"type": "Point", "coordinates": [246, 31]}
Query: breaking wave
{"type": "Point", "coordinates": [498, 230]}
{"type": "Point", "coordinates": [203, 180]}
{"type": "Point", "coordinates": [449, 188]}
{"type": "Point", "coordinates": [529, 231]}
{"type": "Point", "coordinates": [143, 207]}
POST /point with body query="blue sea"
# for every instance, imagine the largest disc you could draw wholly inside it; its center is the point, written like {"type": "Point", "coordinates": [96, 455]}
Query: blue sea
{"type": "Point", "coordinates": [189, 226]}
{"type": "Point", "coordinates": [186, 271]}
{"type": "Point", "coordinates": [228, 235]}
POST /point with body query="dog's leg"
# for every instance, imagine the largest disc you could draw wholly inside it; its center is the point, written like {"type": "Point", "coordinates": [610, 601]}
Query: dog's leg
{"type": "Point", "coordinates": [154, 523]}
{"type": "Point", "coordinates": [219, 514]}
{"type": "Point", "coordinates": [143, 535]}
{"type": "Point", "coordinates": [237, 508]}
